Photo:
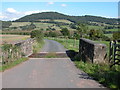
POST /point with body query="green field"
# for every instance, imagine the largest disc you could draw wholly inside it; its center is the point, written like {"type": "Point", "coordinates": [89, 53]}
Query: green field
{"type": "Point", "coordinates": [17, 24]}
{"type": "Point", "coordinates": [57, 20]}
{"type": "Point", "coordinates": [63, 20]}
{"type": "Point", "coordinates": [111, 29]}
{"type": "Point", "coordinates": [95, 27]}
{"type": "Point", "coordinates": [109, 35]}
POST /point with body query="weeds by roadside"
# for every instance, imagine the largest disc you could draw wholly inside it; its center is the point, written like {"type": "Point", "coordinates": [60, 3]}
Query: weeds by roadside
{"type": "Point", "coordinates": [110, 77]}
{"type": "Point", "coordinates": [37, 46]}
{"type": "Point", "coordinates": [12, 64]}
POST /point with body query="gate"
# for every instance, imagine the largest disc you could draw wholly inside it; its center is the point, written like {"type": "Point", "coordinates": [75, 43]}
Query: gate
{"type": "Point", "coordinates": [114, 52]}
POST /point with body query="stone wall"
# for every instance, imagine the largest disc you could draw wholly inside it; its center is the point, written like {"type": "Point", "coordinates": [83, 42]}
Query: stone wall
{"type": "Point", "coordinates": [25, 46]}
{"type": "Point", "coordinates": [91, 51]}
{"type": "Point", "coordinates": [18, 49]}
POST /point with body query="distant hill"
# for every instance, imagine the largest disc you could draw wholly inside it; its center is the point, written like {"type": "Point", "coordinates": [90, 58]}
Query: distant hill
{"type": "Point", "coordinates": [55, 15]}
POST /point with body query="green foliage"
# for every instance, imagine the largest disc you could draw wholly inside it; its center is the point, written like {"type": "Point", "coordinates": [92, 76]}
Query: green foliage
{"type": "Point", "coordinates": [76, 35]}
{"type": "Point", "coordinates": [6, 47]}
{"type": "Point", "coordinates": [116, 36]}
{"type": "Point", "coordinates": [52, 34]}
{"type": "Point", "coordinates": [65, 32]}
{"type": "Point", "coordinates": [10, 53]}
{"type": "Point", "coordinates": [103, 73]}
{"type": "Point", "coordinates": [98, 35]}
{"type": "Point", "coordinates": [38, 35]}
{"type": "Point", "coordinates": [10, 65]}
{"type": "Point", "coordinates": [37, 46]}
{"type": "Point", "coordinates": [82, 29]}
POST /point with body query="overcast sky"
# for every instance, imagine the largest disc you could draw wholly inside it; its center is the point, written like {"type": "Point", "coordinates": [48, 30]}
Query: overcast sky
{"type": "Point", "coordinates": [15, 10]}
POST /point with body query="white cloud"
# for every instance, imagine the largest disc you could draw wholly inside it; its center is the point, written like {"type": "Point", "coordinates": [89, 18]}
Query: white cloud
{"type": "Point", "coordinates": [50, 2]}
{"type": "Point", "coordinates": [3, 17]}
{"type": "Point", "coordinates": [11, 10]}
{"type": "Point", "coordinates": [14, 18]}
{"type": "Point", "coordinates": [37, 11]}
{"type": "Point", "coordinates": [63, 5]}
{"type": "Point", "coordinates": [12, 14]}
{"type": "Point", "coordinates": [31, 12]}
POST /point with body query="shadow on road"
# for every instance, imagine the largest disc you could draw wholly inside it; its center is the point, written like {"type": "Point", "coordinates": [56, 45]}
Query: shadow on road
{"type": "Point", "coordinates": [85, 76]}
{"type": "Point", "coordinates": [71, 54]}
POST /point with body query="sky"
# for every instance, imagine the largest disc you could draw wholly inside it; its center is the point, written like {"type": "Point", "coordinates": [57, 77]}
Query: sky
{"type": "Point", "coordinates": [15, 10]}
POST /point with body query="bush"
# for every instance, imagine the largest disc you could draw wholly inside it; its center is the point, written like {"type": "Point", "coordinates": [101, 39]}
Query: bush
{"type": "Point", "coordinates": [116, 36]}
{"type": "Point", "coordinates": [38, 35]}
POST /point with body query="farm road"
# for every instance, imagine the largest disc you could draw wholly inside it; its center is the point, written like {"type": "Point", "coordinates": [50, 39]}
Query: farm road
{"type": "Point", "coordinates": [47, 73]}
{"type": "Point", "coordinates": [53, 46]}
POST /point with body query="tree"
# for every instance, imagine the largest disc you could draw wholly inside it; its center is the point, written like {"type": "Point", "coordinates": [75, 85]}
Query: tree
{"type": "Point", "coordinates": [65, 32]}
{"type": "Point", "coordinates": [52, 34]}
{"type": "Point", "coordinates": [37, 34]}
{"type": "Point", "coordinates": [96, 34]}
{"type": "Point", "coordinates": [116, 36]}
{"type": "Point", "coordinates": [82, 29]}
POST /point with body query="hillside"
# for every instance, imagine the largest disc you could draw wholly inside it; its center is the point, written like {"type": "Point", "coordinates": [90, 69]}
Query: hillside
{"type": "Point", "coordinates": [55, 15]}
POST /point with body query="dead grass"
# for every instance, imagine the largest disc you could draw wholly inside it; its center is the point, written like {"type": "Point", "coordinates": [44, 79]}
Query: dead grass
{"type": "Point", "coordinates": [17, 24]}
{"type": "Point", "coordinates": [12, 38]}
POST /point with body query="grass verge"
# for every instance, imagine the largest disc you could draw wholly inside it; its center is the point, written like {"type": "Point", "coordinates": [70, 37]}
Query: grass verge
{"type": "Point", "coordinates": [109, 77]}
{"type": "Point", "coordinates": [12, 64]}
{"type": "Point", "coordinates": [37, 46]}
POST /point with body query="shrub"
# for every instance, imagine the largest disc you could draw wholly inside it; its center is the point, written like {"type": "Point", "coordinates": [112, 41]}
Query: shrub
{"type": "Point", "coordinates": [116, 36]}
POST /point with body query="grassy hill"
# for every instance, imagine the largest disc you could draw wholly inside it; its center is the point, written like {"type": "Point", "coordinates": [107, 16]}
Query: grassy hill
{"type": "Point", "coordinates": [55, 15]}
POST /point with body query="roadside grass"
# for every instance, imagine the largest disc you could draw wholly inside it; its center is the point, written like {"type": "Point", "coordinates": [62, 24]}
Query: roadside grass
{"type": "Point", "coordinates": [12, 64]}
{"type": "Point", "coordinates": [37, 46]}
{"type": "Point", "coordinates": [109, 77]}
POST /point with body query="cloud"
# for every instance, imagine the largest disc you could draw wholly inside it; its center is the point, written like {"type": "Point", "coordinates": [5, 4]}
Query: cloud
{"type": "Point", "coordinates": [14, 18]}
{"type": "Point", "coordinates": [11, 10]}
{"type": "Point", "coordinates": [37, 11]}
{"type": "Point", "coordinates": [63, 5]}
{"type": "Point", "coordinates": [12, 14]}
{"type": "Point", "coordinates": [3, 17]}
{"type": "Point", "coordinates": [50, 2]}
{"type": "Point", "coordinates": [31, 12]}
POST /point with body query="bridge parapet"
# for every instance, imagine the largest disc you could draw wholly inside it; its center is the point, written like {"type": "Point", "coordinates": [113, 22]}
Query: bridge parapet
{"type": "Point", "coordinates": [91, 51]}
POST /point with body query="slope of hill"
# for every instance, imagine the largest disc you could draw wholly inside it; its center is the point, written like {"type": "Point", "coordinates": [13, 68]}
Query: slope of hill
{"type": "Point", "coordinates": [55, 15]}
